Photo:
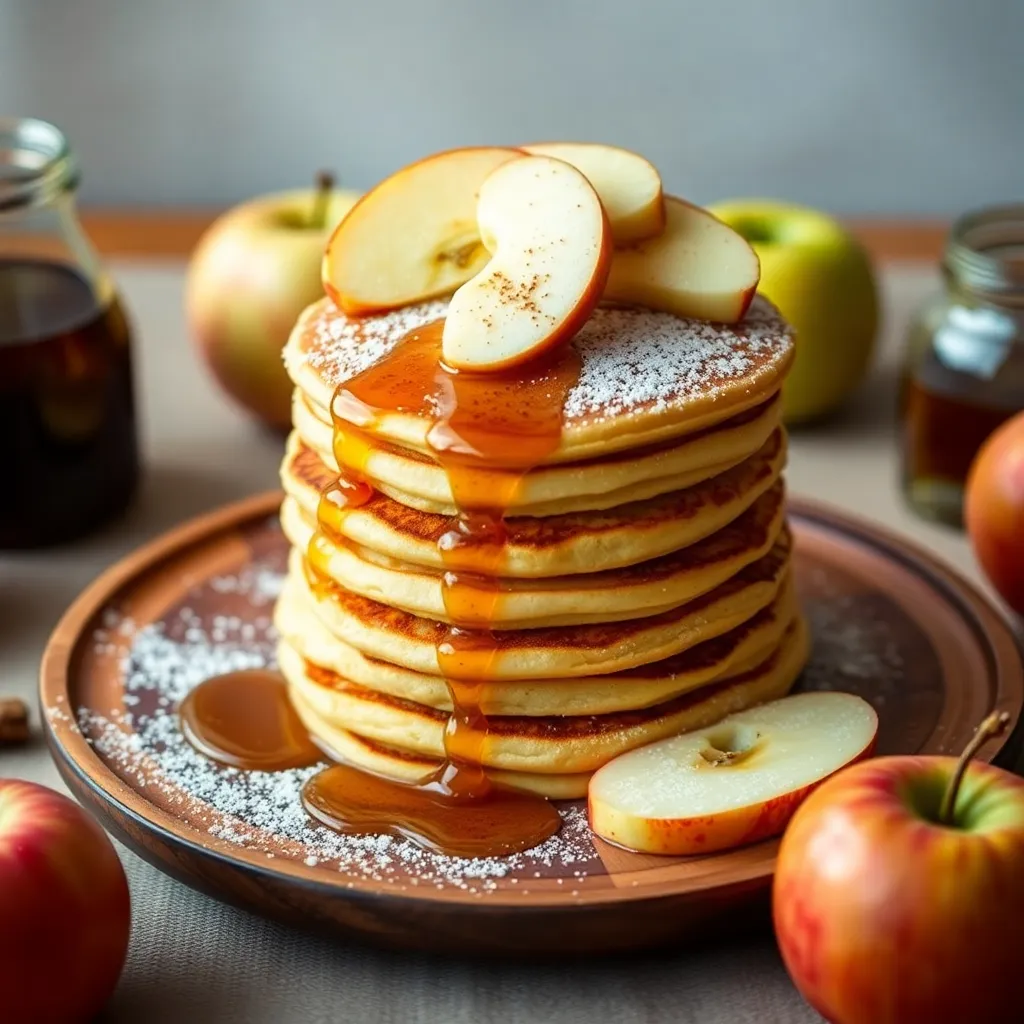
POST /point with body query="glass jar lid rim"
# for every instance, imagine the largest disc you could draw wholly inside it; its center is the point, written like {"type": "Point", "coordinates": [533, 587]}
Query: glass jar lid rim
{"type": "Point", "coordinates": [36, 162]}
{"type": "Point", "coordinates": [985, 249]}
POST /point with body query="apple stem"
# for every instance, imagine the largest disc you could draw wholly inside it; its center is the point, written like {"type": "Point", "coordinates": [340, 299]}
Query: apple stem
{"type": "Point", "coordinates": [324, 187]}
{"type": "Point", "coordinates": [991, 727]}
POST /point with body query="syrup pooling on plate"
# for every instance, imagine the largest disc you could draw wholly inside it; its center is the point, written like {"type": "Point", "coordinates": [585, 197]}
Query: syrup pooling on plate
{"type": "Point", "coordinates": [245, 720]}
{"type": "Point", "coordinates": [487, 432]}
{"type": "Point", "coordinates": [506, 822]}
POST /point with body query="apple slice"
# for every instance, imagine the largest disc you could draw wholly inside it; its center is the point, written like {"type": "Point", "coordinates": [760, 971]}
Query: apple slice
{"type": "Point", "coordinates": [697, 267]}
{"type": "Point", "coordinates": [629, 186]}
{"type": "Point", "coordinates": [731, 784]}
{"type": "Point", "coordinates": [414, 236]}
{"type": "Point", "coordinates": [551, 248]}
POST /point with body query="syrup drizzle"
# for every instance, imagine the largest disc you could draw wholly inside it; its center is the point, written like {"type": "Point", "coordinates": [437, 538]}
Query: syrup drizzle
{"type": "Point", "coordinates": [487, 432]}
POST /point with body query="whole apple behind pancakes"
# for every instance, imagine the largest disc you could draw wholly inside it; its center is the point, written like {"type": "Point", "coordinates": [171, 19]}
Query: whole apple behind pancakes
{"type": "Point", "coordinates": [254, 270]}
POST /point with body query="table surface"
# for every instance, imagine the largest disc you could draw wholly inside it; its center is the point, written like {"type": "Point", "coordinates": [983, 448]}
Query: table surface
{"type": "Point", "coordinates": [193, 959]}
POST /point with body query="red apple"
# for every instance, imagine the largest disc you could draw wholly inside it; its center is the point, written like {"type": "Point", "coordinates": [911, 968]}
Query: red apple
{"type": "Point", "coordinates": [994, 510]}
{"type": "Point", "coordinates": [252, 274]}
{"type": "Point", "coordinates": [65, 912]}
{"type": "Point", "coordinates": [899, 892]}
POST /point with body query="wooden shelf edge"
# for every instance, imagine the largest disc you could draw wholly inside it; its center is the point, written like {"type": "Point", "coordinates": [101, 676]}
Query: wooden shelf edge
{"type": "Point", "coordinates": [919, 241]}
{"type": "Point", "coordinates": [173, 234]}
{"type": "Point", "coordinates": [163, 233]}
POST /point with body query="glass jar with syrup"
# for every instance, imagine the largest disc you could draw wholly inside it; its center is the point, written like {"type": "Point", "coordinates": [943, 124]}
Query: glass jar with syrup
{"type": "Point", "coordinates": [964, 373]}
{"type": "Point", "coordinates": [68, 450]}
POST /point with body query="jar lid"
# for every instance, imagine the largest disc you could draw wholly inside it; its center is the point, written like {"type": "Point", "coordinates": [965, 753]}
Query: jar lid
{"type": "Point", "coordinates": [36, 163]}
{"type": "Point", "coordinates": [985, 251]}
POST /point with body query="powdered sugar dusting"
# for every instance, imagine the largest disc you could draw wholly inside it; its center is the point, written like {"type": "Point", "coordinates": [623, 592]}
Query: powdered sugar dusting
{"type": "Point", "coordinates": [854, 646]}
{"type": "Point", "coordinates": [262, 811]}
{"type": "Point", "coordinates": [342, 346]}
{"type": "Point", "coordinates": [863, 643]}
{"type": "Point", "coordinates": [632, 359]}
{"type": "Point", "coordinates": [637, 359]}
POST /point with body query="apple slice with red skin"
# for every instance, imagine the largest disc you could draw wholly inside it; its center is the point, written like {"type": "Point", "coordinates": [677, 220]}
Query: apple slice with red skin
{"type": "Point", "coordinates": [550, 245]}
{"type": "Point", "coordinates": [629, 185]}
{"type": "Point", "coordinates": [698, 267]}
{"type": "Point", "coordinates": [414, 236]}
{"type": "Point", "coordinates": [734, 783]}
{"type": "Point", "coordinates": [899, 891]}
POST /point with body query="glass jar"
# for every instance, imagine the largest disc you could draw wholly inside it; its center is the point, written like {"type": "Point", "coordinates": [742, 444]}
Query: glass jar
{"type": "Point", "coordinates": [964, 371]}
{"type": "Point", "coordinates": [68, 449]}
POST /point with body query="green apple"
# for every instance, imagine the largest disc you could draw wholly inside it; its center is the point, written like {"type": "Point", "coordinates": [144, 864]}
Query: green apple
{"type": "Point", "coordinates": [256, 268]}
{"type": "Point", "coordinates": [821, 279]}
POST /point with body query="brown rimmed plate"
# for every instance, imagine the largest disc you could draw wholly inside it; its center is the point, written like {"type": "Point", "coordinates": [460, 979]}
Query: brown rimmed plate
{"type": "Point", "coordinates": [889, 623]}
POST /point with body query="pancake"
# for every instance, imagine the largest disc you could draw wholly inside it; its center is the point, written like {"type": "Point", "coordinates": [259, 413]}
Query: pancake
{"type": "Point", "coordinates": [644, 583]}
{"type": "Point", "coordinates": [558, 745]}
{"type": "Point", "coordinates": [418, 481]}
{"type": "Point", "coordinates": [629, 690]}
{"type": "Point", "coordinates": [631, 592]}
{"type": "Point", "coordinates": [349, 747]}
{"type": "Point", "coordinates": [410, 641]}
{"type": "Point", "coordinates": [645, 376]}
{"type": "Point", "coordinates": [552, 546]}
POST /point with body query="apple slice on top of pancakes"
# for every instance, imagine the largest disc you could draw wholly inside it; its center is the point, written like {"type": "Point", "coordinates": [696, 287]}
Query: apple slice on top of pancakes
{"type": "Point", "coordinates": [550, 245]}
{"type": "Point", "coordinates": [526, 240]}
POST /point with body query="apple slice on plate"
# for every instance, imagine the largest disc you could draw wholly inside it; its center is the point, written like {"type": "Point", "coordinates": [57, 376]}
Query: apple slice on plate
{"type": "Point", "coordinates": [734, 783]}
{"type": "Point", "coordinates": [550, 242]}
{"type": "Point", "coordinates": [697, 267]}
{"type": "Point", "coordinates": [629, 186]}
{"type": "Point", "coordinates": [414, 236]}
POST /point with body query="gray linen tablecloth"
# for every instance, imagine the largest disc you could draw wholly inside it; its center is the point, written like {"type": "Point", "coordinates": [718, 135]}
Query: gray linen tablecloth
{"type": "Point", "coordinates": [195, 960]}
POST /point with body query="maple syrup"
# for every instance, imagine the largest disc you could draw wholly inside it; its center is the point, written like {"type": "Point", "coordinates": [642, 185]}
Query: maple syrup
{"type": "Point", "coordinates": [964, 372]}
{"type": "Point", "coordinates": [488, 431]}
{"type": "Point", "coordinates": [67, 417]}
{"type": "Point", "coordinates": [942, 433]}
{"type": "Point", "coordinates": [504, 822]}
{"type": "Point", "coordinates": [245, 720]}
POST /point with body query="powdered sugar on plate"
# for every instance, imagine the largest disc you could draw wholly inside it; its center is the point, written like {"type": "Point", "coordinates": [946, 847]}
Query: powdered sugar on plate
{"type": "Point", "coordinates": [863, 643]}
{"type": "Point", "coordinates": [855, 644]}
{"type": "Point", "coordinates": [632, 359]}
{"type": "Point", "coordinates": [224, 625]}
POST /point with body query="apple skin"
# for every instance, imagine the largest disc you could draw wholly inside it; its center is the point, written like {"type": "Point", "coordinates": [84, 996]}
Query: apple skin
{"type": "Point", "coordinates": [821, 279]}
{"type": "Point", "coordinates": [994, 510]}
{"type": "Point", "coordinates": [884, 917]}
{"type": "Point", "coordinates": [742, 826]}
{"type": "Point", "coordinates": [253, 272]}
{"type": "Point", "coordinates": [689, 837]}
{"type": "Point", "coordinates": [65, 911]}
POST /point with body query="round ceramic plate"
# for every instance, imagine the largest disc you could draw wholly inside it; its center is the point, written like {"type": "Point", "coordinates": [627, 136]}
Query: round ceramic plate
{"type": "Point", "coordinates": [889, 623]}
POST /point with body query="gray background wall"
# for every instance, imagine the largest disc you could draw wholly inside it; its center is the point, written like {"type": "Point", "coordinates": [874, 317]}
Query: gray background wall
{"type": "Point", "coordinates": [861, 106]}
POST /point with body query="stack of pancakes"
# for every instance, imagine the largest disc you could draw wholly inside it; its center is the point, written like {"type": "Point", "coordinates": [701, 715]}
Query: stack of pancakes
{"type": "Point", "coordinates": [645, 586]}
